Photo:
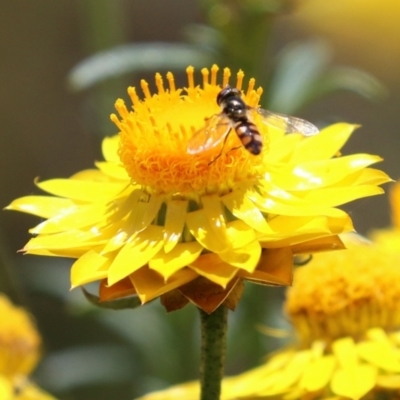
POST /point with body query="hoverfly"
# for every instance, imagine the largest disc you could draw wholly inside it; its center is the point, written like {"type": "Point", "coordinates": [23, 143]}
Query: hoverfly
{"type": "Point", "coordinates": [237, 115]}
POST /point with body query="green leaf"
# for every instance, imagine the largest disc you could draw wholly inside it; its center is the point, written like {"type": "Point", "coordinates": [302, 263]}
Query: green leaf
{"type": "Point", "coordinates": [119, 304]}
{"type": "Point", "coordinates": [351, 79]}
{"type": "Point", "coordinates": [303, 75]}
{"type": "Point", "coordinates": [299, 66]}
{"type": "Point", "coordinates": [134, 57]}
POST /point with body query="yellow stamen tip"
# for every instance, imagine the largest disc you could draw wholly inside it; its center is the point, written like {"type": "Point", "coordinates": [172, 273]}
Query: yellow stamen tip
{"type": "Point", "coordinates": [133, 96]}
{"type": "Point", "coordinates": [190, 75]}
{"type": "Point", "coordinates": [226, 76]}
{"type": "Point", "coordinates": [121, 108]}
{"type": "Point", "coordinates": [206, 73]}
{"type": "Point", "coordinates": [171, 82]}
{"type": "Point", "coordinates": [239, 79]}
{"type": "Point", "coordinates": [159, 83]}
{"type": "Point", "coordinates": [214, 72]}
{"type": "Point", "coordinates": [250, 87]}
{"type": "Point", "coordinates": [145, 88]}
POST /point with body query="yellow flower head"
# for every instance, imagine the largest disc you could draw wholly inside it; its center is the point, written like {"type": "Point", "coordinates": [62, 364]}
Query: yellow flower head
{"type": "Point", "coordinates": [345, 308]}
{"type": "Point", "coordinates": [362, 281]}
{"type": "Point", "coordinates": [19, 340]}
{"type": "Point", "coordinates": [155, 219]}
{"type": "Point", "coordinates": [166, 122]}
{"type": "Point", "coordinates": [19, 354]}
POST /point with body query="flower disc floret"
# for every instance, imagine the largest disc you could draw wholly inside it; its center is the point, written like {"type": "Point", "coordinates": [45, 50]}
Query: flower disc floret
{"type": "Point", "coordinates": [154, 138]}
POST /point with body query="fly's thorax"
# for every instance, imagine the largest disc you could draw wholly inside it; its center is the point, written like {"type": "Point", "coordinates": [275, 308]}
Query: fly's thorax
{"type": "Point", "coordinates": [234, 108]}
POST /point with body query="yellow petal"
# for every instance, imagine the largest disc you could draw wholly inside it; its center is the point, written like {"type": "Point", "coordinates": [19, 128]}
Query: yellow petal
{"type": "Point", "coordinates": [256, 380]}
{"type": "Point", "coordinates": [212, 208]}
{"type": "Point", "coordinates": [68, 241]}
{"type": "Point", "coordinates": [110, 146]}
{"type": "Point", "coordinates": [183, 254]}
{"type": "Point", "coordinates": [328, 142]}
{"type": "Point", "coordinates": [201, 229]}
{"type": "Point", "coordinates": [112, 170]}
{"type": "Point", "coordinates": [136, 254]}
{"type": "Point", "coordinates": [354, 382]}
{"type": "Point", "coordinates": [73, 218]}
{"type": "Point", "coordinates": [345, 352]}
{"type": "Point", "coordinates": [143, 213]}
{"type": "Point", "coordinates": [89, 268]}
{"type": "Point", "coordinates": [332, 197]}
{"type": "Point", "coordinates": [379, 351]}
{"type": "Point", "coordinates": [353, 379]}
{"type": "Point", "coordinates": [92, 175]}
{"type": "Point", "coordinates": [319, 174]}
{"type": "Point", "coordinates": [82, 190]}
{"type": "Point", "coordinates": [116, 241]}
{"type": "Point", "coordinates": [72, 253]}
{"type": "Point", "coordinates": [281, 148]}
{"type": "Point", "coordinates": [214, 269]}
{"type": "Point", "coordinates": [42, 206]}
{"type": "Point", "coordinates": [174, 223]}
{"type": "Point", "coordinates": [240, 234]}
{"type": "Point", "coordinates": [289, 226]}
{"type": "Point", "coordinates": [318, 374]}
{"type": "Point", "coordinates": [245, 257]}
{"type": "Point", "coordinates": [379, 354]}
{"type": "Point", "coordinates": [184, 391]}
{"type": "Point", "coordinates": [304, 229]}
{"type": "Point", "coordinates": [293, 371]}
{"type": "Point", "coordinates": [244, 209]}
{"type": "Point", "coordinates": [366, 176]}
{"type": "Point", "coordinates": [6, 389]}
{"type": "Point", "coordinates": [273, 206]}
{"type": "Point", "coordinates": [150, 284]}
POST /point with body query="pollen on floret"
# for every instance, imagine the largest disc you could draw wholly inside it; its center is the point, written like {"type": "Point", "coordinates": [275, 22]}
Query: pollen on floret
{"type": "Point", "coordinates": [239, 79]}
{"type": "Point", "coordinates": [226, 76]}
{"type": "Point", "coordinates": [155, 134]}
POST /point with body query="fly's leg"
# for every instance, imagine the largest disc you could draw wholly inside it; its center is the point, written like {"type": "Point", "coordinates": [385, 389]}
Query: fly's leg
{"type": "Point", "coordinates": [223, 145]}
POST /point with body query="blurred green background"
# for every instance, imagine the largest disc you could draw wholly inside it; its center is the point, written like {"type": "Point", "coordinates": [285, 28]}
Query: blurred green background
{"type": "Point", "coordinates": [320, 61]}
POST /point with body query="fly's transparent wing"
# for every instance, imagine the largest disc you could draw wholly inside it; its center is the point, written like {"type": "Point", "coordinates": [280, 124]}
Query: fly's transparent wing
{"type": "Point", "coordinates": [210, 135]}
{"type": "Point", "coordinates": [287, 123]}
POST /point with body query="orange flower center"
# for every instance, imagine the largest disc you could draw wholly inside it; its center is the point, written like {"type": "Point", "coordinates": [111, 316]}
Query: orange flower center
{"type": "Point", "coordinates": [154, 138]}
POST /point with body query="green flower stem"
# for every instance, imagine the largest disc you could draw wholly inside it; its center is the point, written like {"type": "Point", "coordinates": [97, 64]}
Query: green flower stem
{"type": "Point", "coordinates": [213, 347]}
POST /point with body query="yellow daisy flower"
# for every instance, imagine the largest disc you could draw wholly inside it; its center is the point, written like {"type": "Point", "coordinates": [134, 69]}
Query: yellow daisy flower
{"type": "Point", "coordinates": [154, 220]}
{"type": "Point", "coordinates": [19, 354]}
{"type": "Point", "coordinates": [345, 308]}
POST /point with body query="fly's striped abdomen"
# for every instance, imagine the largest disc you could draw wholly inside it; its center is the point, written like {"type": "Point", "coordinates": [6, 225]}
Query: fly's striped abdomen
{"type": "Point", "coordinates": [249, 136]}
